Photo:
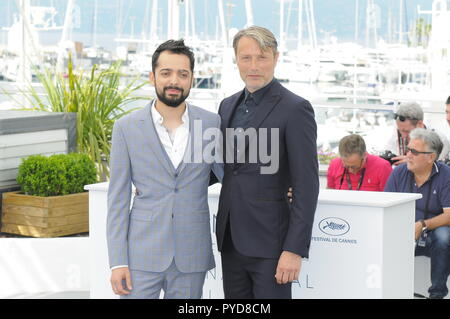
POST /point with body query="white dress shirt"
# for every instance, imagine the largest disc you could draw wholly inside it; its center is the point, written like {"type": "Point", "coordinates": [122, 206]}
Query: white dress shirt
{"type": "Point", "coordinates": [174, 142]}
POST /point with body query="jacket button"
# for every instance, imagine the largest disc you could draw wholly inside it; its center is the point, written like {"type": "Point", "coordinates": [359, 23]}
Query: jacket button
{"type": "Point", "coordinates": [176, 175]}
{"type": "Point", "coordinates": [235, 173]}
{"type": "Point", "coordinates": [176, 190]}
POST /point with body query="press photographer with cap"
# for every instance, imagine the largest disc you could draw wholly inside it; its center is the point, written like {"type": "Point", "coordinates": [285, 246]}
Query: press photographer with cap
{"type": "Point", "coordinates": [423, 174]}
{"type": "Point", "coordinates": [408, 117]}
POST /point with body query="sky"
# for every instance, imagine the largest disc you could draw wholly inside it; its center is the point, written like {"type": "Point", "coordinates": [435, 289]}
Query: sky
{"type": "Point", "coordinates": [334, 18]}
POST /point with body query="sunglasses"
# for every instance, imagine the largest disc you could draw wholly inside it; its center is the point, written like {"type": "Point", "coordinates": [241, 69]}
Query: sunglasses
{"type": "Point", "coordinates": [402, 118]}
{"type": "Point", "coordinates": [416, 152]}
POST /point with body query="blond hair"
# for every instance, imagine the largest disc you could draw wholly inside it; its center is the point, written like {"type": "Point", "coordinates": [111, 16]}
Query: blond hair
{"type": "Point", "coordinates": [264, 37]}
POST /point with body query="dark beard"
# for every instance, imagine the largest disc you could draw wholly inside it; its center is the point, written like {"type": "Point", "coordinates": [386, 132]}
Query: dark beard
{"type": "Point", "coordinates": [172, 102]}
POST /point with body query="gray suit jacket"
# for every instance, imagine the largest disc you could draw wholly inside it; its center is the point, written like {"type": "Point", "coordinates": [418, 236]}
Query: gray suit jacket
{"type": "Point", "coordinates": [169, 217]}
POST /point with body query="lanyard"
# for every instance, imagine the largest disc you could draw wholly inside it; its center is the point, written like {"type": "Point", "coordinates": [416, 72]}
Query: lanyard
{"type": "Point", "coordinates": [349, 182]}
{"type": "Point", "coordinates": [402, 142]}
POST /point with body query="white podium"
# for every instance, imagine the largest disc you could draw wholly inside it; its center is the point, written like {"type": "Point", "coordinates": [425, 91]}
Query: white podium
{"type": "Point", "coordinates": [362, 246]}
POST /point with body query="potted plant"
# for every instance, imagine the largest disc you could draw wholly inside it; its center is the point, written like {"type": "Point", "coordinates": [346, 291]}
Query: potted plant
{"type": "Point", "coordinates": [52, 201]}
{"type": "Point", "coordinates": [325, 157]}
{"type": "Point", "coordinates": [98, 97]}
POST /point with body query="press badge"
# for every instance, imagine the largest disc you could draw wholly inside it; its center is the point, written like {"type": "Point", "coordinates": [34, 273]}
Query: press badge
{"type": "Point", "coordinates": [422, 239]}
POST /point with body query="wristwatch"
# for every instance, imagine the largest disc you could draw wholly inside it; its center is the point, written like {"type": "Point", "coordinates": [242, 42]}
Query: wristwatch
{"type": "Point", "coordinates": [424, 226]}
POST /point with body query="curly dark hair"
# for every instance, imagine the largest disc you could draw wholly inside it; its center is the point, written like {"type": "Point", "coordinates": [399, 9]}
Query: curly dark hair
{"type": "Point", "coordinates": [174, 46]}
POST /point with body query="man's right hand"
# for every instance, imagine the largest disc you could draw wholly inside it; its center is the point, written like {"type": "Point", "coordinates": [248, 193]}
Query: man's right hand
{"type": "Point", "coordinates": [117, 277]}
{"type": "Point", "coordinates": [289, 194]}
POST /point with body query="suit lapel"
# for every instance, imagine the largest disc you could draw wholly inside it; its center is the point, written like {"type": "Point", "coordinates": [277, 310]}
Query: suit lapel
{"type": "Point", "coordinates": [269, 101]}
{"type": "Point", "coordinates": [227, 113]}
{"type": "Point", "coordinates": [149, 130]}
{"type": "Point", "coordinates": [225, 117]}
{"type": "Point", "coordinates": [189, 151]}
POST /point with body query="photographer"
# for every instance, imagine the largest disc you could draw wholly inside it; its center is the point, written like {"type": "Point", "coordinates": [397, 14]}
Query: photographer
{"type": "Point", "coordinates": [356, 169]}
{"type": "Point", "coordinates": [408, 117]}
{"type": "Point", "coordinates": [423, 174]}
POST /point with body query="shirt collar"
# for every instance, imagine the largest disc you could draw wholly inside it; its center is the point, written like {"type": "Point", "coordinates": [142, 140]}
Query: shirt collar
{"type": "Point", "coordinates": [434, 171]}
{"type": "Point", "coordinates": [158, 119]}
{"type": "Point", "coordinates": [259, 94]}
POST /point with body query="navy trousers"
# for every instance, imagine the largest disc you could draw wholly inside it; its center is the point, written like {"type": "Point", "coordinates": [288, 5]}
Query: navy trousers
{"type": "Point", "coordinates": [250, 277]}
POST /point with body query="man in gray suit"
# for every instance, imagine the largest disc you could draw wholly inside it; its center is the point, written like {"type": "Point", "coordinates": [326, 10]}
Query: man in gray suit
{"type": "Point", "coordinates": [163, 242]}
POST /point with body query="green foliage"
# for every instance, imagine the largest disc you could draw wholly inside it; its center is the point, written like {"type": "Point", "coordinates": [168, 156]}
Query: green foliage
{"type": "Point", "coordinates": [98, 99]}
{"type": "Point", "coordinates": [325, 157]}
{"type": "Point", "coordinates": [422, 32]}
{"type": "Point", "coordinates": [56, 175]}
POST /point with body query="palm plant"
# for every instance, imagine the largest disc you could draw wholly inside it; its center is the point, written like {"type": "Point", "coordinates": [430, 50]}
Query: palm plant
{"type": "Point", "coordinates": [422, 32]}
{"type": "Point", "coordinates": [98, 100]}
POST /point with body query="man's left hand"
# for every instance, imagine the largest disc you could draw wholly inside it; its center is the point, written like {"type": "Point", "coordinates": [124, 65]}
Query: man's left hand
{"type": "Point", "coordinates": [417, 230]}
{"type": "Point", "coordinates": [288, 268]}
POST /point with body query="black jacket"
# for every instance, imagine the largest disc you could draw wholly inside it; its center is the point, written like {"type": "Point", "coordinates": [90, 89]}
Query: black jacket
{"type": "Point", "coordinates": [262, 221]}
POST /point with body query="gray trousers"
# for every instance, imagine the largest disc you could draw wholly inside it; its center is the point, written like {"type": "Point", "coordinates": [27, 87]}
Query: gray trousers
{"type": "Point", "coordinates": [175, 284]}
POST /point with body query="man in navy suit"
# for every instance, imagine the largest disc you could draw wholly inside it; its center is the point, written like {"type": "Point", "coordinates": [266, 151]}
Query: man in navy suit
{"type": "Point", "coordinates": [261, 236]}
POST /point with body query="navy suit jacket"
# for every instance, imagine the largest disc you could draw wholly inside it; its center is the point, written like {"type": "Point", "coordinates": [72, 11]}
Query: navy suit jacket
{"type": "Point", "coordinates": [263, 222]}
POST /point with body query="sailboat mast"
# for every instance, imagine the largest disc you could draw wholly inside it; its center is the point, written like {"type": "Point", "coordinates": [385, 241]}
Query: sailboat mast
{"type": "Point", "coordinates": [356, 20]}
{"type": "Point", "coordinates": [249, 12]}
{"type": "Point", "coordinates": [186, 18]}
{"type": "Point", "coordinates": [154, 22]}
{"type": "Point", "coordinates": [300, 25]}
{"type": "Point", "coordinates": [282, 44]}
{"type": "Point", "coordinates": [64, 35]}
{"type": "Point", "coordinates": [222, 23]}
{"type": "Point", "coordinates": [94, 25]}
{"type": "Point", "coordinates": [192, 13]}
{"type": "Point", "coordinates": [400, 24]}
{"type": "Point", "coordinates": [24, 75]}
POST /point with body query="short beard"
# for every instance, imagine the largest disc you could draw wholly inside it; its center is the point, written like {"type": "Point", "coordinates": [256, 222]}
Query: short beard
{"type": "Point", "coordinates": [171, 102]}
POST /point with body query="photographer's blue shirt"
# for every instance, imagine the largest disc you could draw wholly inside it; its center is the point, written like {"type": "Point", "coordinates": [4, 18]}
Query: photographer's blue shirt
{"type": "Point", "coordinates": [437, 187]}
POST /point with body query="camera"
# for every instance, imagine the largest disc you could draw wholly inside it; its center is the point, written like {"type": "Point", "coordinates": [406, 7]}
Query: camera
{"type": "Point", "coordinates": [388, 155]}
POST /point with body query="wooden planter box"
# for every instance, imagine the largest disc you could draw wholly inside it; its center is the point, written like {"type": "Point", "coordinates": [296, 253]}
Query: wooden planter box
{"type": "Point", "coordinates": [37, 216]}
